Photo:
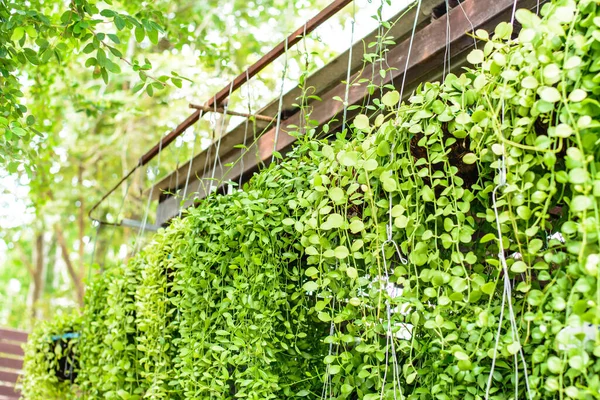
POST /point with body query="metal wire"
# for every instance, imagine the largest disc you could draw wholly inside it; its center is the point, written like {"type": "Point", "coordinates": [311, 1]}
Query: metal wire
{"type": "Point", "coordinates": [280, 106]}
{"type": "Point", "coordinates": [244, 150]}
{"type": "Point", "coordinates": [187, 179]}
{"type": "Point", "coordinates": [221, 134]}
{"type": "Point", "coordinates": [347, 92]}
{"type": "Point", "coordinates": [137, 242]}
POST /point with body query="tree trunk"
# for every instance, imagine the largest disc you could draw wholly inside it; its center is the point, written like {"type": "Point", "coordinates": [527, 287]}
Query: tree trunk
{"type": "Point", "coordinates": [37, 274]}
{"type": "Point", "coordinates": [75, 277]}
{"type": "Point", "coordinates": [81, 221]}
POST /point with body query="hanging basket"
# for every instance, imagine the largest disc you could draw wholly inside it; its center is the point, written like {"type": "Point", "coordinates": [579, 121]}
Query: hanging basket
{"type": "Point", "coordinates": [68, 364]}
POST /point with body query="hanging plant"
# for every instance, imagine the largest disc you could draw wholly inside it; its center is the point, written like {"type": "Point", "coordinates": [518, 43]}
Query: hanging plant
{"type": "Point", "coordinates": [447, 249]}
{"type": "Point", "coordinates": [51, 359]}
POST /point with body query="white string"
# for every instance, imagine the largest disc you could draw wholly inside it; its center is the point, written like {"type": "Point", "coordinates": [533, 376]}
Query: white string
{"type": "Point", "coordinates": [221, 133]}
{"type": "Point", "coordinates": [447, 51]}
{"type": "Point", "coordinates": [389, 341]}
{"type": "Point", "coordinates": [347, 93]}
{"type": "Point", "coordinates": [187, 179]}
{"type": "Point", "coordinates": [201, 183]}
{"type": "Point", "coordinates": [506, 292]}
{"type": "Point", "coordinates": [327, 383]}
{"type": "Point", "coordinates": [280, 107]}
{"type": "Point", "coordinates": [389, 226]}
{"type": "Point", "coordinates": [410, 45]}
{"type": "Point", "coordinates": [389, 231]}
{"type": "Point", "coordinates": [137, 242]}
{"type": "Point", "coordinates": [244, 150]}
{"type": "Point", "coordinates": [469, 21]}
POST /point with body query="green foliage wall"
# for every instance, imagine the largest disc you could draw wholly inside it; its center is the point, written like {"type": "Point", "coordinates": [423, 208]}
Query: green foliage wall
{"type": "Point", "coordinates": [294, 287]}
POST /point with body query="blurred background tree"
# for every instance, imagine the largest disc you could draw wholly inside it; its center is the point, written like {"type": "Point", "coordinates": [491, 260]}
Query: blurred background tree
{"type": "Point", "coordinates": [86, 87]}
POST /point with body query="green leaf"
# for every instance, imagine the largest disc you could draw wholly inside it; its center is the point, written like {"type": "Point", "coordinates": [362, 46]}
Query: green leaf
{"type": "Point", "coordinates": [390, 99]}
{"type": "Point", "coordinates": [311, 271]}
{"type": "Point", "coordinates": [138, 86]}
{"type": "Point", "coordinates": [311, 286]}
{"type": "Point", "coordinates": [349, 158]}
{"type": "Point", "coordinates": [356, 226]}
{"type": "Point", "coordinates": [140, 34]}
{"type": "Point", "coordinates": [513, 348]}
{"type": "Point", "coordinates": [337, 195]}
{"type": "Point", "coordinates": [469, 158]}
{"type": "Point", "coordinates": [529, 82]}
{"type": "Point", "coordinates": [153, 36]}
{"type": "Point", "coordinates": [549, 94]}
{"type": "Point", "coordinates": [112, 67]}
{"type": "Point", "coordinates": [114, 38]}
{"type": "Point", "coordinates": [351, 272]}
{"type": "Point", "coordinates": [361, 122]}
{"type": "Point", "coordinates": [475, 57]}
{"type": "Point", "coordinates": [581, 203]}
{"type": "Point", "coordinates": [335, 220]}
{"type": "Point", "coordinates": [341, 252]}
{"type": "Point", "coordinates": [518, 267]}
{"type": "Point", "coordinates": [370, 165]}
{"type": "Point", "coordinates": [577, 95]}
{"type": "Point", "coordinates": [488, 288]}
{"type": "Point", "coordinates": [17, 34]}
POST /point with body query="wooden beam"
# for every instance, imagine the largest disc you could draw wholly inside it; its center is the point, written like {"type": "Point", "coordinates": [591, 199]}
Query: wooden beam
{"type": "Point", "coordinates": [9, 377]}
{"type": "Point", "coordinates": [13, 335]}
{"type": "Point", "coordinates": [11, 363]}
{"type": "Point", "coordinates": [12, 349]}
{"type": "Point", "coordinates": [9, 391]}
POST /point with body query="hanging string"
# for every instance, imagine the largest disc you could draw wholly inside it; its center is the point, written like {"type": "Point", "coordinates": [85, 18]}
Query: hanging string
{"type": "Point", "coordinates": [390, 225]}
{"type": "Point", "coordinates": [447, 50]}
{"type": "Point", "coordinates": [246, 124]}
{"type": "Point", "coordinates": [410, 45]}
{"type": "Point", "coordinates": [137, 242]}
{"type": "Point", "coordinates": [221, 134]}
{"type": "Point", "coordinates": [93, 255]}
{"type": "Point", "coordinates": [507, 285]}
{"type": "Point", "coordinates": [213, 124]}
{"type": "Point", "coordinates": [280, 107]}
{"type": "Point", "coordinates": [389, 336]}
{"type": "Point", "coordinates": [390, 343]}
{"type": "Point", "coordinates": [469, 21]}
{"type": "Point", "coordinates": [187, 179]}
{"type": "Point", "coordinates": [348, 71]}
{"type": "Point", "coordinates": [327, 385]}
{"type": "Point", "coordinates": [507, 289]}
{"type": "Point", "coordinates": [304, 102]}
{"type": "Point", "coordinates": [114, 229]}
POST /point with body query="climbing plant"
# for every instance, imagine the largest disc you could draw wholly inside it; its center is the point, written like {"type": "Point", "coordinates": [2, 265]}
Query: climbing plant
{"type": "Point", "coordinates": [442, 247]}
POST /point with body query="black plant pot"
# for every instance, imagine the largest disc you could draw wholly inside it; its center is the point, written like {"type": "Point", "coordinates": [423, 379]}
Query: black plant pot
{"type": "Point", "coordinates": [68, 364]}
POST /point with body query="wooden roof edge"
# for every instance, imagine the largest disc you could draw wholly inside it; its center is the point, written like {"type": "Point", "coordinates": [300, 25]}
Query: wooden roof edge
{"type": "Point", "coordinates": [425, 65]}
{"type": "Point", "coordinates": [323, 79]}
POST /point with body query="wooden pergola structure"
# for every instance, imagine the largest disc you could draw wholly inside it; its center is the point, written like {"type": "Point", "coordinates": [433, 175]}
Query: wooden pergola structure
{"type": "Point", "coordinates": [448, 36]}
{"type": "Point", "coordinates": [11, 362]}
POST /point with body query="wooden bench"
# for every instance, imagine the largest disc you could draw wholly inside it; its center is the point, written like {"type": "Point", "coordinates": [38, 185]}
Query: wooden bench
{"type": "Point", "coordinates": [11, 362]}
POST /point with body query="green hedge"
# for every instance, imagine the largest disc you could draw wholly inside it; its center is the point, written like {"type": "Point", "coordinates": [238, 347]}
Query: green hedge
{"type": "Point", "coordinates": [294, 287]}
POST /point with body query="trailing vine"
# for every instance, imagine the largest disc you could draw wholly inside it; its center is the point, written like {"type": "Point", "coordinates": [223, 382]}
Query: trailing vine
{"type": "Point", "coordinates": [485, 286]}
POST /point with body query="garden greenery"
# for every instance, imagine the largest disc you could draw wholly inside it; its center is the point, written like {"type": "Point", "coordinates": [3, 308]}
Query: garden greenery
{"type": "Point", "coordinates": [445, 247]}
